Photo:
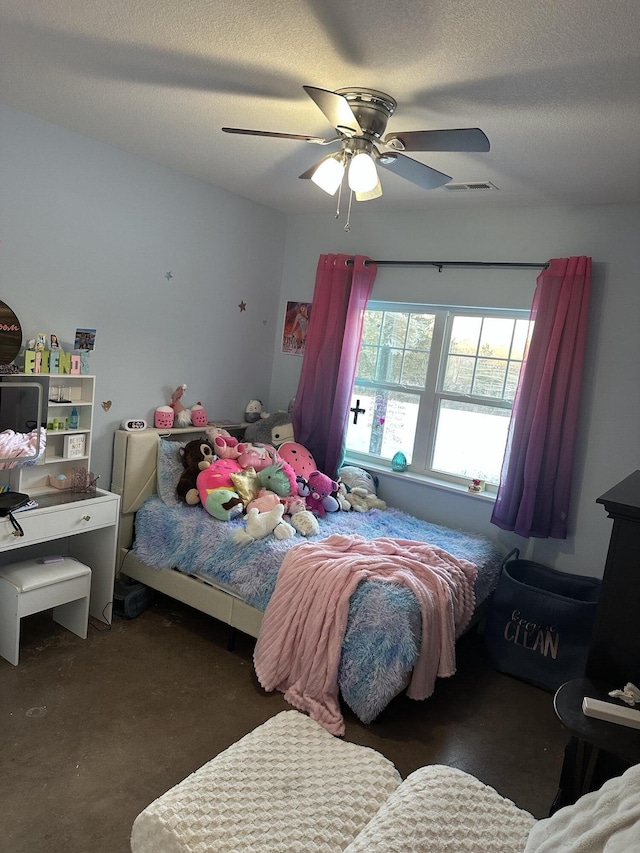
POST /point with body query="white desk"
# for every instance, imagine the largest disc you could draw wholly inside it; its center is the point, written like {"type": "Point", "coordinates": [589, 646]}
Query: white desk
{"type": "Point", "coordinates": [73, 525]}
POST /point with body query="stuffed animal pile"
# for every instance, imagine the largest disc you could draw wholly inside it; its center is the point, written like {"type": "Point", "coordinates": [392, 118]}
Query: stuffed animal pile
{"type": "Point", "coordinates": [275, 484]}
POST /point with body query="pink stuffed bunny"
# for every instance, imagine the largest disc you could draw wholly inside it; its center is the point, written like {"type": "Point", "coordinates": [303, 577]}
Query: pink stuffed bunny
{"type": "Point", "coordinates": [226, 447]}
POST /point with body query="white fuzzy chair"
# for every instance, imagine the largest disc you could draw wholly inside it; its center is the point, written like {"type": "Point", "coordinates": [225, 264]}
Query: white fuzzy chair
{"type": "Point", "coordinates": [291, 787]}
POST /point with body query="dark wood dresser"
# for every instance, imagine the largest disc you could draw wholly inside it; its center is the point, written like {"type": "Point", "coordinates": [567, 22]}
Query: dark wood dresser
{"type": "Point", "coordinates": [614, 654]}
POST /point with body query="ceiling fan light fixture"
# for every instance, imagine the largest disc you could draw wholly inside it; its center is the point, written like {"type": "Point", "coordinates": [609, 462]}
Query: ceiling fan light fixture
{"type": "Point", "coordinates": [363, 175]}
{"type": "Point", "coordinates": [328, 176]}
{"type": "Point", "coordinates": [376, 192]}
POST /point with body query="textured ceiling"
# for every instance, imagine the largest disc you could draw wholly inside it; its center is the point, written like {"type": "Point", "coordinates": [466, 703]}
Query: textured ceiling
{"type": "Point", "coordinates": [555, 85]}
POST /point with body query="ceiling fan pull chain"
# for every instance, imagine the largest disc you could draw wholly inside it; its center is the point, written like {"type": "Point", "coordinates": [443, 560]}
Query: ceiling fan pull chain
{"type": "Point", "coordinates": [347, 227]}
{"type": "Point", "coordinates": [339, 198]}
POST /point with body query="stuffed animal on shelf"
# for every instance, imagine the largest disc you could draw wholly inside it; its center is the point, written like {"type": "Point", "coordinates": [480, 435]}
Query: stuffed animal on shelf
{"type": "Point", "coordinates": [274, 429]}
{"type": "Point", "coordinates": [320, 488]}
{"type": "Point", "coordinates": [181, 413]}
{"type": "Point", "coordinates": [254, 412]}
{"type": "Point", "coordinates": [261, 524]}
{"type": "Point", "coordinates": [196, 456]}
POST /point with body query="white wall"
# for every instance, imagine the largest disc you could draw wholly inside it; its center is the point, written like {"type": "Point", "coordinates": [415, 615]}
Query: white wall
{"type": "Point", "coordinates": [87, 235]}
{"type": "Point", "coordinates": [608, 446]}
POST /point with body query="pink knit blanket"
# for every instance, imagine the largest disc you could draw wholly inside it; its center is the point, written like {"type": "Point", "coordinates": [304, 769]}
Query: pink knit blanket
{"type": "Point", "coordinates": [298, 650]}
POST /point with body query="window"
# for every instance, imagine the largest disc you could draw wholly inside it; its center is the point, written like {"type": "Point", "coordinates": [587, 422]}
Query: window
{"type": "Point", "coordinates": [438, 384]}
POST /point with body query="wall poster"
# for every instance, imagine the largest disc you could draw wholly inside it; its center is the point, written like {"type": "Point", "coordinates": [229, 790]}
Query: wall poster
{"type": "Point", "coordinates": [295, 327]}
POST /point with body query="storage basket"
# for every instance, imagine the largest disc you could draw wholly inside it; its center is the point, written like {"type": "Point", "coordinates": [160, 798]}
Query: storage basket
{"type": "Point", "coordinates": [540, 622]}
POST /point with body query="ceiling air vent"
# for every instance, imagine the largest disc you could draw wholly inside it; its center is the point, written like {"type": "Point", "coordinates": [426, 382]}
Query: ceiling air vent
{"type": "Point", "coordinates": [472, 185]}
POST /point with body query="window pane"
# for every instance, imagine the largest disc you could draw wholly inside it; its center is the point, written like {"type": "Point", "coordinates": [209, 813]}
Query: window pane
{"type": "Point", "coordinates": [389, 367]}
{"type": "Point", "coordinates": [394, 329]}
{"type": "Point", "coordinates": [470, 440]}
{"type": "Point", "coordinates": [521, 335]}
{"type": "Point", "coordinates": [420, 331]}
{"type": "Point", "coordinates": [458, 376]}
{"type": "Point", "coordinates": [414, 368]}
{"type": "Point", "coordinates": [367, 362]}
{"type": "Point", "coordinates": [371, 327]}
{"type": "Point", "coordinates": [489, 378]}
{"type": "Point", "coordinates": [513, 373]}
{"type": "Point", "coordinates": [388, 424]}
{"type": "Point", "coordinates": [497, 333]}
{"type": "Point", "coordinates": [465, 335]}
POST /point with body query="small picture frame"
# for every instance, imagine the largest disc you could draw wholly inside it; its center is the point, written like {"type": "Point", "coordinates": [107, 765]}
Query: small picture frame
{"type": "Point", "coordinates": [74, 446]}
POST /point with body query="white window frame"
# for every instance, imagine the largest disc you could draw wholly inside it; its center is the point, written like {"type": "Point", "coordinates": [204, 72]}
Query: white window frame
{"type": "Point", "coordinates": [431, 394]}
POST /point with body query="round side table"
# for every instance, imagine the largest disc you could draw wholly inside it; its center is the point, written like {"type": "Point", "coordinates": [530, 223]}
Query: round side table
{"type": "Point", "coordinates": [598, 750]}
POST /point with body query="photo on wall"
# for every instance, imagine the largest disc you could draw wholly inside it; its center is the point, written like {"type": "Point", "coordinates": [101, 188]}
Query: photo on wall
{"type": "Point", "coordinates": [85, 339]}
{"type": "Point", "coordinates": [296, 325]}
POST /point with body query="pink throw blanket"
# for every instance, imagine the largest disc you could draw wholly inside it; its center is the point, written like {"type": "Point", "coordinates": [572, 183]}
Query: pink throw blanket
{"type": "Point", "coordinates": [298, 650]}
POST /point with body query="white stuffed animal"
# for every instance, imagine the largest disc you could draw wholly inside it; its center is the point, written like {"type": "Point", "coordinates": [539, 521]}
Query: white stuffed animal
{"type": "Point", "coordinates": [261, 524]}
{"type": "Point", "coordinates": [363, 501]}
{"type": "Point", "coordinates": [360, 489]}
{"type": "Point", "coordinates": [305, 523]}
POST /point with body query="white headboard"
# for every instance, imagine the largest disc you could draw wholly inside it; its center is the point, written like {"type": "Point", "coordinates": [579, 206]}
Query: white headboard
{"type": "Point", "coordinates": [134, 474]}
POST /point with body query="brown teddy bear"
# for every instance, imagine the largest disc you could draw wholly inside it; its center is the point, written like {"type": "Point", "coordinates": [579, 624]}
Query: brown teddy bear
{"type": "Point", "coordinates": [196, 455]}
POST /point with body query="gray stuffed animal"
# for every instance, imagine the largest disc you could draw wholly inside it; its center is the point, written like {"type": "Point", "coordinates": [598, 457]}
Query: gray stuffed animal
{"type": "Point", "coordinates": [275, 430]}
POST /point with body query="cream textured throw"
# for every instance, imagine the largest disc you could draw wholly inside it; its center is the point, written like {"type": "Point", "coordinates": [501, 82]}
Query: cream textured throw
{"type": "Point", "coordinates": [440, 809]}
{"type": "Point", "coordinates": [286, 787]}
{"type": "Point", "coordinates": [604, 821]}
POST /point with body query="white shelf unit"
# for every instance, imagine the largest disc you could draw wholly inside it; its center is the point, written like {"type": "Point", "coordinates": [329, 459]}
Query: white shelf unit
{"type": "Point", "coordinates": [61, 394]}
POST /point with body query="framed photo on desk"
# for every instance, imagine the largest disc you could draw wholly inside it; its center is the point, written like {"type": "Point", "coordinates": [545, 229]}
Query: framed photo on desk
{"type": "Point", "coordinates": [74, 446]}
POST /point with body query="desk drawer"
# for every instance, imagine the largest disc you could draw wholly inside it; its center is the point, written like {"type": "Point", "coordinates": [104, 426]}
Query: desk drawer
{"type": "Point", "coordinates": [46, 523]}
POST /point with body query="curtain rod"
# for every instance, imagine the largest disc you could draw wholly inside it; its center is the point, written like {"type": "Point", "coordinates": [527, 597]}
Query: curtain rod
{"type": "Point", "coordinates": [441, 264]}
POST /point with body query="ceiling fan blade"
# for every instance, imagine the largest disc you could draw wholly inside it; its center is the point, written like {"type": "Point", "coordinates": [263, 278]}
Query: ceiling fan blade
{"type": "Point", "coordinates": [317, 139]}
{"type": "Point", "coordinates": [336, 108]}
{"type": "Point", "coordinates": [462, 139]}
{"type": "Point", "coordinates": [412, 170]}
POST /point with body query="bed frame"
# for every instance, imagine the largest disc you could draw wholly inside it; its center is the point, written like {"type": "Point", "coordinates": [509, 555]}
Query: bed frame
{"type": "Point", "coordinates": [134, 479]}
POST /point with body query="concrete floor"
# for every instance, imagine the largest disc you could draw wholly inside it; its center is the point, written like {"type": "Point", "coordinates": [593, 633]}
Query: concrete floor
{"type": "Point", "coordinates": [94, 730]}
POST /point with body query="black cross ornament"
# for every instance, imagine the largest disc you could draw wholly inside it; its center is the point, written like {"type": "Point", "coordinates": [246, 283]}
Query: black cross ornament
{"type": "Point", "coordinates": [357, 411]}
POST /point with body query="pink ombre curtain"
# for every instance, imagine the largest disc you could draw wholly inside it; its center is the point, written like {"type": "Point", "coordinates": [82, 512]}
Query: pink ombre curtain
{"type": "Point", "coordinates": [321, 407]}
{"type": "Point", "coordinates": [535, 486]}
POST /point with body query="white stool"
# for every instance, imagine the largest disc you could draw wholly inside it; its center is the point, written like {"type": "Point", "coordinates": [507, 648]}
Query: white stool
{"type": "Point", "coordinates": [33, 586]}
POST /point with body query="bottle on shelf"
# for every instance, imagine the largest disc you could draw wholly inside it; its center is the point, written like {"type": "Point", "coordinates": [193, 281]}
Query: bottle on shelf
{"type": "Point", "coordinates": [73, 419]}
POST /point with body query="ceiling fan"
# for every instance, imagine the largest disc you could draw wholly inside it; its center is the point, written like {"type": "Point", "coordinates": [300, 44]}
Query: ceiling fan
{"type": "Point", "coordinates": [360, 118]}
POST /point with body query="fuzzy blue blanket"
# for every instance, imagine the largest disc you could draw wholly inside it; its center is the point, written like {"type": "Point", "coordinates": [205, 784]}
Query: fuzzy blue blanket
{"type": "Point", "coordinates": [384, 626]}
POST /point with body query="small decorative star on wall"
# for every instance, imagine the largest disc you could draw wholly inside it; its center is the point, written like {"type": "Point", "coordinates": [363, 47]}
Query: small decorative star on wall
{"type": "Point", "coordinates": [243, 306]}
{"type": "Point", "coordinates": [169, 276]}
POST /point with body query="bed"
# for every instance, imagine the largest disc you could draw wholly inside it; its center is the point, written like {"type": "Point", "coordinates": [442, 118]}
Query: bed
{"type": "Point", "coordinates": [183, 552]}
